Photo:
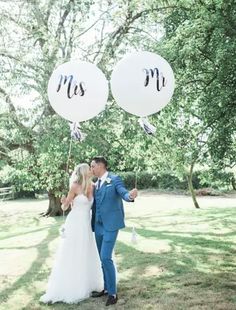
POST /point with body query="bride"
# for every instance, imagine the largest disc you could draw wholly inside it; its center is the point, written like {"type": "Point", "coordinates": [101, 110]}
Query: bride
{"type": "Point", "coordinates": [77, 268]}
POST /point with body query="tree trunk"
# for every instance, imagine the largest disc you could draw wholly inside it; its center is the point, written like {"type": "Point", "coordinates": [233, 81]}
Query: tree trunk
{"type": "Point", "coordinates": [190, 186]}
{"type": "Point", "coordinates": [233, 182]}
{"type": "Point", "coordinates": [54, 207]}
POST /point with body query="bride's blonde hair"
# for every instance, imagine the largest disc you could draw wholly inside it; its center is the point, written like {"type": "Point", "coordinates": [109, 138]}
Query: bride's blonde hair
{"type": "Point", "coordinates": [81, 176]}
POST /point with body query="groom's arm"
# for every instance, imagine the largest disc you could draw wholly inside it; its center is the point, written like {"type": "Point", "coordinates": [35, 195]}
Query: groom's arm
{"type": "Point", "coordinates": [121, 190]}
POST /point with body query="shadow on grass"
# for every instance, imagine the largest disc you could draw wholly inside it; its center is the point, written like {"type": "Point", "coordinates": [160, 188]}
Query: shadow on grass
{"type": "Point", "coordinates": [58, 222]}
{"type": "Point", "coordinates": [186, 241]}
{"type": "Point", "coordinates": [175, 277]}
{"type": "Point", "coordinates": [222, 217]}
{"type": "Point", "coordinates": [34, 273]}
{"type": "Point", "coordinates": [175, 280]}
{"type": "Point", "coordinates": [25, 233]}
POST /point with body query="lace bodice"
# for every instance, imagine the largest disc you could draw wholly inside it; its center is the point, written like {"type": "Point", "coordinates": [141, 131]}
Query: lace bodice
{"type": "Point", "coordinates": [81, 202]}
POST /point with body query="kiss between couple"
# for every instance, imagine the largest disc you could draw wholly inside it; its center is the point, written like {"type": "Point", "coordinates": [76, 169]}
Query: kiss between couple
{"type": "Point", "coordinates": [83, 266]}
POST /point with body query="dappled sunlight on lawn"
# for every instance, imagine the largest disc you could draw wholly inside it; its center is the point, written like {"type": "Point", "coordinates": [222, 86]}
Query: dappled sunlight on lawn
{"type": "Point", "coordinates": [20, 299]}
{"type": "Point", "coordinates": [153, 271]}
{"type": "Point", "coordinates": [24, 240]}
{"type": "Point", "coordinates": [143, 244]}
{"type": "Point", "coordinates": [184, 258]}
{"type": "Point", "coordinates": [126, 274]}
{"type": "Point", "coordinates": [171, 213]}
{"type": "Point", "coordinates": [24, 249]}
{"type": "Point", "coordinates": [17, 261]}
{"type": "Point", "coordinates": [52, 247]}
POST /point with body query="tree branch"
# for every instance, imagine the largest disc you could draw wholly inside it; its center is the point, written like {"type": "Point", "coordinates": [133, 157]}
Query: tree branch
{"type": "Point", "coordinates": [116, 36]}
{"type": "Point", "coordinates": [25, 64]}
{"type": "Point", "coordinates": [63, 18]}
{"type": "Point", "coordinates": [12, 110]}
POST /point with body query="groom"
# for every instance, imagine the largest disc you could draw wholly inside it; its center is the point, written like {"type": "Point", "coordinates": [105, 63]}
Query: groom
{"type": "Point", "coordinates": [107, 219]}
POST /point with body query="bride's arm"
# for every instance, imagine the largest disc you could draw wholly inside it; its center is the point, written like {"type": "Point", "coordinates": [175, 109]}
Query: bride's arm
{"type": "Point", "coordinates": [66, 201]}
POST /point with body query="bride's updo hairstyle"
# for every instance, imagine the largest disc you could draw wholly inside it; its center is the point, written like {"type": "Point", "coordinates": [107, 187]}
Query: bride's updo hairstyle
{"type": "Point", "coordinates": [82, 176]}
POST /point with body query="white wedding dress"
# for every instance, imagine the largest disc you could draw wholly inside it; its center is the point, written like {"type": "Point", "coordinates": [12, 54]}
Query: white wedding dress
{"type": "Point", "coordinates": [77, 268]}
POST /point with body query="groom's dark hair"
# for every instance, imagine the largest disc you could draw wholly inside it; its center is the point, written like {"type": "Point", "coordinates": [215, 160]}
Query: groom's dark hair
{"type": "Point", "coordinates": [100, 159]}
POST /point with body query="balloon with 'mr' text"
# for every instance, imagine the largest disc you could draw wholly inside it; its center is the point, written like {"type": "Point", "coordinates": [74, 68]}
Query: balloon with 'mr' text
{"type": "Point", "coordinates": [142, 83]}
{"type": "Point", "coordinates": [78, 90]}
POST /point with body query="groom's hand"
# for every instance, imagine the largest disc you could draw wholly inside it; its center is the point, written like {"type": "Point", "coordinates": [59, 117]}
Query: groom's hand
{"type": "Point", "coordinates": [133, 194]}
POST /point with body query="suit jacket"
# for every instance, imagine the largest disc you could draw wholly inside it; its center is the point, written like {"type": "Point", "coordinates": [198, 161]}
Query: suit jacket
{"type": "Point", "coordinates": [110, 203]}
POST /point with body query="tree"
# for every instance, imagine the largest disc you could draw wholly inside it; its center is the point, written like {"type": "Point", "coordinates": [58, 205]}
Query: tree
{"type": "Point", "coordinates": [196, 37]}
{"type": "Point", "coordinates": [199, 127]}
{"type": "Point", "coordinates": [49, 33]}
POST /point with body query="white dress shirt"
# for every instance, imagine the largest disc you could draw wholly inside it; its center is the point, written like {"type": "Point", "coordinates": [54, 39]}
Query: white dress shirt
{"type": "Point", "coordinates": [102, 178]}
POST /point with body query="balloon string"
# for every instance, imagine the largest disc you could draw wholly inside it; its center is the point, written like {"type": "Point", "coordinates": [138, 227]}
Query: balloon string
{"type": "Point", "coordinates": [136, 172]}
{"type": "Point", "coordinates": [68, 160]}
{"type": "Point", "coordinates": [136, 179]}
{"type": "Point", "coordinates": [134, 234]}
{"type": "Point", "coordinates": [67, 169]}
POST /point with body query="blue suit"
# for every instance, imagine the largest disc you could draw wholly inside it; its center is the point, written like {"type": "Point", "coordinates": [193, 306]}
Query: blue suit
{"type": "Point", "coordinates": [107, 219]}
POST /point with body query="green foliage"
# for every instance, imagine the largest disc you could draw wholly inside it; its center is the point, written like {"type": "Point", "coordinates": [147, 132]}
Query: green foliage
{"type": "Point", "coordinates": [217, 178]}
{"type": "Point", "coordinates": [157, 180]}
{"type": "Point", "coordinates": [200, 43]}
{"type": "Point", "coordinates": [196, 128]}
{"type": "Point", "coordinates": [7, 176]}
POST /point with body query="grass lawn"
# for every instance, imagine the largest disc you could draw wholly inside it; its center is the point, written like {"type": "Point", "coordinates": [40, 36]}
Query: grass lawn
{"type": "Point", "coordinates": [184, 258]}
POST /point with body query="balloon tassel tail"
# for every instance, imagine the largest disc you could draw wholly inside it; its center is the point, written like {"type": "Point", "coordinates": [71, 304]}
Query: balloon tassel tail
{"type": "Point", "coordinates": [147, 127]}
{"type": "Point", "coordinates": [134, 236]}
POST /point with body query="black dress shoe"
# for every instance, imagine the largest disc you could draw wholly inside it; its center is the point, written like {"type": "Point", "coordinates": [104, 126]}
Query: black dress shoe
{"type": "Point", "coordinates": [99, 294]}
{"type": "Point", "coordinates": [111, 300]}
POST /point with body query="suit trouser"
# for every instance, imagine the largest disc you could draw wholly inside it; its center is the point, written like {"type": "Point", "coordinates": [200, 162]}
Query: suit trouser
{"type": "Point", "coordinates": [105, 243]}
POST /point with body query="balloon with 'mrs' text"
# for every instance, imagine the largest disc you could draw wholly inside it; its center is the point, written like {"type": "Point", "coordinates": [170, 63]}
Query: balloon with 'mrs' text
{"type": "Point", "coordinates": [78, 90]}
{"type": "Point", "coordinates": [142, 83]}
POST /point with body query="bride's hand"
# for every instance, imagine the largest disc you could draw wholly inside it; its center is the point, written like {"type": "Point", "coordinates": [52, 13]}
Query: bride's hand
{"type": "Point", "coordinates": [63, 199]}
{"type": "Point", "coordinates": [63, 202]}
{"type": "Point", "coordinates": [63, 207]}
{"type": "Point", "coordinates": [66, 201]}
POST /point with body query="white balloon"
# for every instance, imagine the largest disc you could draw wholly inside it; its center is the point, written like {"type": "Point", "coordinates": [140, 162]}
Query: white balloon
{"type": "Point", "coordinates": [78, 90]}
{"type": "Point", "coordinates": [142, 83]}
